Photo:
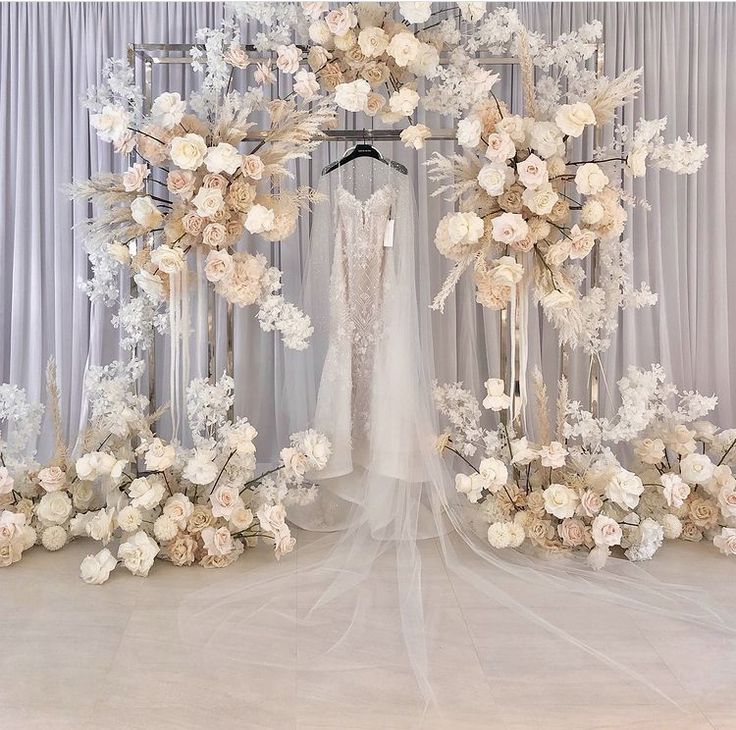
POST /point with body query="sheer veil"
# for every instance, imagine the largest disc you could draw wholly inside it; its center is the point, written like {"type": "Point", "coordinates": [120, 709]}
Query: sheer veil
{"type": "Point", "coordinates": [354, 598]}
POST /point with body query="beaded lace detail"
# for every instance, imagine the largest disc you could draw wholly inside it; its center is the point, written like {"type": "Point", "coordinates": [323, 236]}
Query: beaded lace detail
{"type": "Point", "coordinates": [357, 289]}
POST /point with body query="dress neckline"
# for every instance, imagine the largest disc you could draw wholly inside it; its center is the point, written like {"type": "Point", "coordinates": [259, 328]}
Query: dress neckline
{"type": "Point", "coordinates": [363, 204]}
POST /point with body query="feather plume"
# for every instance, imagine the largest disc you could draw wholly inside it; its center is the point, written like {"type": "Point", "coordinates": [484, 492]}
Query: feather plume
{"type": "Point", "coordinates": [52, 388]}
{"type": "Point", "coordinates": [613, 94]}
{"type": "Point", "coordinates": [562, 397]}
{"type": "Point", "coordinates": [540, 391]}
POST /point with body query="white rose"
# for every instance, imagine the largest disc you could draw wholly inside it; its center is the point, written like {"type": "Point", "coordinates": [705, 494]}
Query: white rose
{"type": "Point", "coordinates": [167, 110]}
{"type": "Point", "coordinates": [145, 493]}
{"type": "Point", "coordinates": [167, 259]}
{"type": "Point", "coordinates": [188, 151]}
{"type": "Point", "coordinates": [726, 541]}
{"type": "Point", "coordinates": [288, 59]}
{"type": "Point", "coordinates": [671, 526]}
{"type": "Point", "coordinates": [101, 526]}
{"type": "Point", "coordinates": [111, 123]}
{"type": "Point", "coordinates": [218, 541]}
{"type": "Point", "coordinates": [52, 479]}
{"type": "Point", "coordinates": [403, 48]}
{"type": "Point", "coordinates": [500, 147]}
{"type": "Point", "coordinates": [306, 85]}
{"type": "Point", "coordinates": [236, 56]}
{"type": "Point", "coordinates": [522, 452]}
{"type": "Point", "coordinates": [509, 228]}
{"type": "Point", "coordinates": [119, 252]}
{"type": "Point", "coordinates": [592, 212]}
{"type": "Point", "coordinates": [54, 538]}
{"type": "Point", "coordinates": [533, 172]}
{"type": "Point", "coordinates": [284, 542]}
{"type": "Point", "coordinates": [96, 569]}
{"type": "Point", "coordinates": [208, 202]}
{"type": "Point", "coordinates": [241, 518]}
{"type": "Point", "coordinates": [573, 118]}
{"type": "Point", "coordinates": [675, 490]}
{"type": "Point", "coordinates": [582, 242]}
{"type": "Point", "coordinates": [259, 219]}
{"type": "Point", "coordinates": [727, 501]}
{"type": "Point", "coordinates": [201, 468]}
{"type": "Point", "coordinates": [696, 468]}
{"type": "Point", "coordinates": [178, 508]}
{"type": "Point", "coordinates": [558, 253]}
{"type": "Point", "coordinates": [271, 517]}
{"type": "Point", "coordinates": [468, 132]}
{"type": "Point", "coordinates": [516, 127]}
{"type": "Point", "coordinates": [624, 489]}
{"type": "Point", "coordinates": [151, 284]}
{"type": "Point", "coordinates": [159, 456]}
{"type": "Point", "coordinates": [606, 531]}
{"type": "Point", "coordinates": [546, 139]}
{"type": "Point", "coordinates": [705, 431]}
{"type": "Point", "coordinates": [294, 461]}
{"type": "Point", "coordinates": [138, 553]}
{"type": "Point", "coordinates": [404, 101]}
{"type": "Point", "coordinates": [415, 136]}
{"type": "Point", "coordinates": [553, 455]}
{"type": "Point", "coordinates": [134, 177]}
{"type": "Point", "coordinates": [316, 448]}
{"type": "Point", "coordinates": [541, 200]}
{"type": "Point", "coordinates": [145, 213]}
{"type": "Point", "coordinates": [494, 474]}
{"type": "Point", "coordinates": [495, 178]}
{"type": "Point", "coordinates": [129, 519]}
{"type": "Point", "coordinates": [470, 486]}
{"type": "Point", "coordinates": [558, 300]}
{"type": "Point", "coordinates": [225, 498]}
{"type": "Point", "coordinates": [83, 495]}
{"type": "Point", "coordinates": [560, 501]}
{"type": "Point", "coordinates": [372, 42]}
{"type": "Point", "coordinates": [340, 21]}
{"type": "Point", "coordinates": [223, 158]}
{"type": "Point", "coordinates": [415, 12]}
{"type": "Point", "coordinates": [218, 265]}
{"type": "Point", "coordinates": [496, 399]}
{"type": "Point", "coordinates": [507, 271]}
{"type": "Point", "coordinates": [590, 179]}
{"type": "Point", "coordinates": [465, 227]}
{"type": "Point", "coordinates": [353, 96]}
{"type": "Point", "coordinates": [54, 508]}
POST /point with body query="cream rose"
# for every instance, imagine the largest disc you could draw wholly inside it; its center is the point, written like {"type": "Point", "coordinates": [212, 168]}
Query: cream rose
{"type": "Point", "coordinates": [696, 468]}
{"type": "Point", "coordinates": [373, 41]}
{"type": "Point", "coordinates": [572, 532]}
{"type": "Point", "coordinates": [146, 492]}
{"type": "Point", "coordinates": [178, 508]}
{"type": "Point", "coordinates": [168, 110]}
{"type": "Point", "coordinates": [188, 151]}
{"type": "Point", "coordinates": [583, 240]}
{"type": "Point", "coordinates": [288, 58]}
{"type": "Point", "coordinates": [546, 139]}
{"type": "Point", "coordinates": [352, 96]}
{"type": "Point", "coordinates": [415, 12]}
{"type": "Point", "coordinates": [507, 271]}
{"type": "Point", "coordinates": [259, 219]}
{"type": "Point", "coordinates": [415, 136]}
{"type": "Point", "coordinates": [573, 118]}
{"type": "Point", "coordinates": [540, 200]}
{"type": "Point", "coordinates": [134, 177]}
{"type": "Point", "coordinates": [218, 265]}
{"type": "Point", "coordinates": [225, 498]}
{"type": "Point", "coordinates": [403, 48]}
{"type": "Point", "coordinates": [560, 501]}
{"type": "Point", "coordinates": [590, 179]}
{"type": "Point", "coordinates": [495, 178]}
{"type": "Point", "coordinates": [167, 259]}
{"type": "Point", "coordinates": [624, 488]}
{"type": "Point", "coordinates": [181, 183]}
{"type": "Point", "coordinates": [341, 20]}
{"type": "Point", "coordinates": [726, 541]}
{"type": "Point", "coordinates": [208, 202]}
{"type": "Point", "coordinates": [54, 508]}
{"type": "Point", "coordinates": [96, 569]}
{"type": "Point", "coordinates": [674, 489]}
{"type": "Point", "coordinates": [151, 284]}
{"type": "Point", "coordinates": [590, 504]}
{"type": "Point", "coordinates": [52, 479]}
{"type": "Point", "coordinates": [374, 103]}
{"type": "Point", "coordinates": [145, 213]}
{"type": "Point", "coordinates": [223, 158]}
{"type": "Point", "coordinates": [404, 101]}
{"type": "Point", "coordinates": [606, 531]}
{"type": "Point", "coordinates": [509, 227]}
{"type": "Point", "coordinates": [500, 147]}
{"type": "Point", "coordinates": [533, 172]}
{"type": "Point", "coordinates": [306, 85]}
{"type": "Point", "coordinates": [236, 56]}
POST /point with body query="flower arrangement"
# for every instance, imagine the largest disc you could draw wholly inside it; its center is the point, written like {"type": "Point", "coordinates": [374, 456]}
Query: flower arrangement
{"type": "Point", "coordinates": [571, 492]}
{"type": "Point", "coordinates": [530, 208]}
{"type": "Point", "coordinates": [202, 505]}
{"type": "Point", "coordinates": [369, 56]}
{"type": "Point", "coordinates": [195, 185]}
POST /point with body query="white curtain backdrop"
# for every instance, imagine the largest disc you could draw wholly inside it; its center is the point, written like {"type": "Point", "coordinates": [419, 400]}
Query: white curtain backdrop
{"type": "Point", "coordinates": [50, 53]}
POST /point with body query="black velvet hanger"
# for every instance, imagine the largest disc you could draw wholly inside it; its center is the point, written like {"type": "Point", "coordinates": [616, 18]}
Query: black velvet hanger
{"type": "Point", "coordinates": [363, 150]}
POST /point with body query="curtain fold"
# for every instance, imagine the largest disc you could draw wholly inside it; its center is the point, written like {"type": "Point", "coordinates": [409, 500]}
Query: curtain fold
{"type": "Point", "coordinates": [51, 52]}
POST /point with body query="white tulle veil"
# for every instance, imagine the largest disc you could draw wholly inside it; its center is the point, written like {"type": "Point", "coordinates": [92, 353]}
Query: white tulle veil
{"type": "Point", "coordinates": [356, 598]}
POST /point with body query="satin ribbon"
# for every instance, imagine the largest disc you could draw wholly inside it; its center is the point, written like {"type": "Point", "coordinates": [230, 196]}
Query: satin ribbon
{"type": "Point", "coordinates": [179, 329]}
{"type": "Point", "coordinates": [520, 301]}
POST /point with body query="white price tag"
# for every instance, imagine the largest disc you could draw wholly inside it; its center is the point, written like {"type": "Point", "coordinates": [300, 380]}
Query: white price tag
{"type": "Point", "coordinates": [388, 235]}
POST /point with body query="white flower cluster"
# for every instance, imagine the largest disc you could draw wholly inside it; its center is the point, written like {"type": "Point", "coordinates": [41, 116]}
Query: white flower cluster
{"type": "Point", "coordinates": [294, 325]}
{"type": "Point", "coordinates": [570, 492]}
{"type": "Point", "coordinates": [20, 421]}
{"type": "Point", "coordinates": [139, 319]}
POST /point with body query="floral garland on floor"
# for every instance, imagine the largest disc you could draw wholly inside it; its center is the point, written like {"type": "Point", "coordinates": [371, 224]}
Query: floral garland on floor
{"type": "Point", "coordinates": [570, 492]}
{"type": "Point", "coordinates": [203, 505]}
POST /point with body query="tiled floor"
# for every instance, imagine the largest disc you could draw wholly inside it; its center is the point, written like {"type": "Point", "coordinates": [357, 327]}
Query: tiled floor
{"type": "Point", "coordinates": [175, 651]}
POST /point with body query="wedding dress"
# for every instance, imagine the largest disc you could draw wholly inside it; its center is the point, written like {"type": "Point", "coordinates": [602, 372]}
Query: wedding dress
{"type": "Point", "coordinates": [361, 602]}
